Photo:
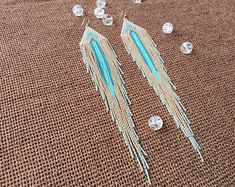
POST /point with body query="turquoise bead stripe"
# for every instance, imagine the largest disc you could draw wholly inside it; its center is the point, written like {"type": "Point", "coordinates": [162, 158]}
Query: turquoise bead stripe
{"type": "Point", "coordinates": [103, 65]}
{"type": "Point", "coordinates": [145, 54]}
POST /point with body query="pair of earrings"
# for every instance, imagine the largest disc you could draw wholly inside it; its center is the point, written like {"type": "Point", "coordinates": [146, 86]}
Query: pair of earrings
{"type": "Point", "coordinates": [102, 64]}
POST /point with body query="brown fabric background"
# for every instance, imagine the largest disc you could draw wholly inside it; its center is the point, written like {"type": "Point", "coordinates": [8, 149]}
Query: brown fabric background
{"type": "Point", "coordinates": [54, 128]}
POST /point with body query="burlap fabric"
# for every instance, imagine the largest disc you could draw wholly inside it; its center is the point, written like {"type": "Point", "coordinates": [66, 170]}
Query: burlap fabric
{"type": "Point", "coordinates": [54, 127]}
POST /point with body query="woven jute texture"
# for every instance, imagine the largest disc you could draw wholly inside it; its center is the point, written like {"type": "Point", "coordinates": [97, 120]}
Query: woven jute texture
{"type": "Point", "coordinates": [55, 130]}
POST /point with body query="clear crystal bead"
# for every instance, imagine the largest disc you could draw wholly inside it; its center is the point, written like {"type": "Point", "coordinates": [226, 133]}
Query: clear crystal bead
{"type": "Point", "coordinates": [101, 3]}
{"type": "Point", "coordinates": [155, 123]}
{"type": "Point", "coordinates": [167, 28]}
{"type": "Point", "coordinates": [78, 10]}
{"type": "Point", "coordinates": [136, 1]}
{"type": "Point", "coordinates": [186, 47]}
{"type": "Point", "coordinates": [99, 12]}
{"type": "Point", "coordinates": [107, 19]}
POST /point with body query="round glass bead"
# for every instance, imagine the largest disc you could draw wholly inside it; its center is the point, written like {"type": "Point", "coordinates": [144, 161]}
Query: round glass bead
{"type": "Point", "coordinates": [167, 28]}
{"type": "Point", "coordinates": [155, 123]}
{"type": "Point", "coordinates": [186, 47]}
{"type": "Point", "coordinates": [99, 12]}
{"type": "Point", "coordinates": [78, 10]}
{"type": "Point", "coordinates": [100, 3]}
{"type": "Point", "coordinates": [107, 19]}
{"type": "Point", "coordinates": [136, 1]}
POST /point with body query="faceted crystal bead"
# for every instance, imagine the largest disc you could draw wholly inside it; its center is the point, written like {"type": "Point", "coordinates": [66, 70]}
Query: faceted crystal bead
{"type": "Point", "coordinates": [78, 10]}
{"type": "Point", "coordinates": [100, 3]}
{"type": "Point", "coordinates": [186, 47]}
{"type": "Point", "coordinates": [99, 12]}
{"type": "Point", "coordinates": [167, 28]}
{"type": "Point", "coordinates": [136, 1]}
{"type": "Point", "coordinates": [155, 123]}
{"type": "Point", "coordinates": [107, 19]}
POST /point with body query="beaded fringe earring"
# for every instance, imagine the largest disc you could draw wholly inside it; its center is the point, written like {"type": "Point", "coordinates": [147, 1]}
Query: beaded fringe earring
{"type": "Point", "coordinates": [102, 64]}
{"type": "Point", "coordinates": [145, 54]}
